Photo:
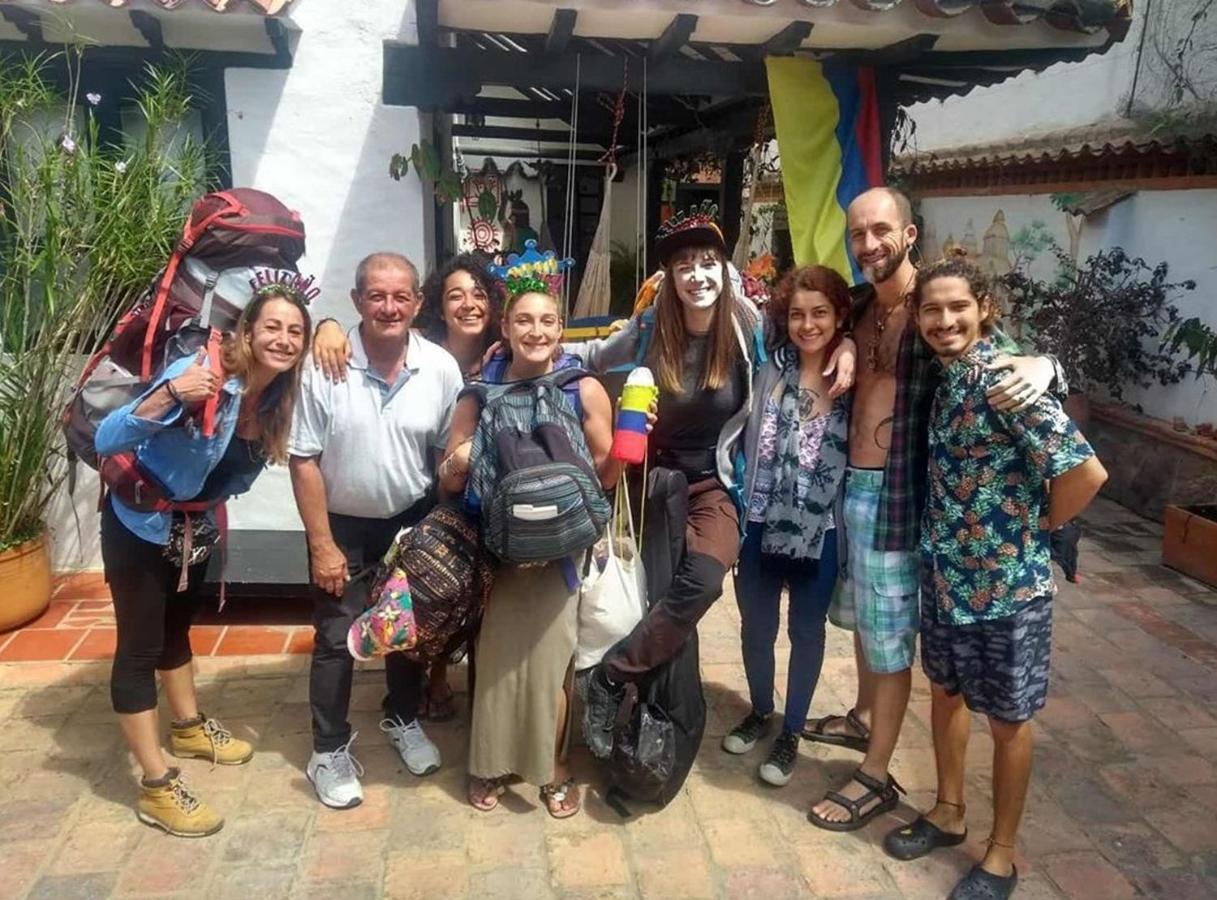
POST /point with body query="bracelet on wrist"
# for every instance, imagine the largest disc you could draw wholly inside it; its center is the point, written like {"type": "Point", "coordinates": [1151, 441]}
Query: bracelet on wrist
{"type": "Point", "coordinates": [177, 398]}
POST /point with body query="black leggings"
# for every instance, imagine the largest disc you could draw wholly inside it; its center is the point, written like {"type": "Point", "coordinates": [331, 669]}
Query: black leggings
{"type": "Point", "coordinates": [153, 618]}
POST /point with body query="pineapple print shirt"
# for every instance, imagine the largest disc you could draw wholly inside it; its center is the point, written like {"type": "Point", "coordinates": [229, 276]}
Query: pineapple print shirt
{"type": "Point", "coordinates": [985, 539]}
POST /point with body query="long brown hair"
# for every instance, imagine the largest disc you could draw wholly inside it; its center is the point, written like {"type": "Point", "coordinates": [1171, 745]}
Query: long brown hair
{"type": "Point", "coordinates": [671, 336]}
{"type": "Point", "coordinates": [278, 401]}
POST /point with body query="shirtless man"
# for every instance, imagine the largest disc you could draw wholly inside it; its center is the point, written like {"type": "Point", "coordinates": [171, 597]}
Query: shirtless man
{"type": "Point", "coordinates": [877, 594]}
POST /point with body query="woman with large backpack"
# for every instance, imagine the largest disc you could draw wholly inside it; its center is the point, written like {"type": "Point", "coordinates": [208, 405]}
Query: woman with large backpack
{"type": "Point", "coordinates": [526, 645]}
{"type": "Point", "coordinates": [155, 558]}
{"type": "Point", "coordinates": [704, 343]}
{"type": "Point", "coordinates": [795, 448]}
{"type": "Point", "coordinates": [460, 311]}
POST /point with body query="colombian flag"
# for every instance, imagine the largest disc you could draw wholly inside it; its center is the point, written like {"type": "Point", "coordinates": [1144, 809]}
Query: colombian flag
{"type": "Point", "coordinates": [827, 121]}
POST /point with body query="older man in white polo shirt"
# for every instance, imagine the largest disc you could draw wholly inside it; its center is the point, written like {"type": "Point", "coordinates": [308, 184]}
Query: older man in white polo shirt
{"type": "Point", "coordinates": [363, 461]}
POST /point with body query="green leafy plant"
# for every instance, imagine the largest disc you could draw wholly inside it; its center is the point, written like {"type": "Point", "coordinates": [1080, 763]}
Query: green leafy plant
{"type": "Point", "coordinates": [1198, 342]}
{"type": "Point", "coordinates": [425, 159]}
{"type": "Point", "coordinates": [84, 227]}
{"type": "Point", "coordinates": [1100, 319]}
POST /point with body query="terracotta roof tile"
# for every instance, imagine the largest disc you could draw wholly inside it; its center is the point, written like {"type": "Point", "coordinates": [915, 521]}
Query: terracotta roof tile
{"type": "Point", "coordinates": [1113, 152]}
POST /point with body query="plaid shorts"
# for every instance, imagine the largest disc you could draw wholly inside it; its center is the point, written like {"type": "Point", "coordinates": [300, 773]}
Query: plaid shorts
{"type": "Point", "coordinates": [877, 595]}
{"type": "Point", "coordinates": [1000, 666]}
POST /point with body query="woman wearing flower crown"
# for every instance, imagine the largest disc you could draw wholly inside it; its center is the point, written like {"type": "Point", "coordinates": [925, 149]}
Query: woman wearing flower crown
{"type": "Point", "coordinates": [704, 342]}
{"type": "Point", "coordinates": [460, 311]}
{"type": "Point", "coordinates": [525, 648]}
{"type": "Point", "coordinates": [154, 589]}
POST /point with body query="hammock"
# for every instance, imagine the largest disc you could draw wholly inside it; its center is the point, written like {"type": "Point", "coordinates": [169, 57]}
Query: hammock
{"type": "Point", "coordinates": [595, 292]}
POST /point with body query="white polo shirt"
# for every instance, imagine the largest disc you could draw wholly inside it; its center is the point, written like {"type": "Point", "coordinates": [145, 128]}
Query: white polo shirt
{"type": "Point", "coordinates": [377, 441]}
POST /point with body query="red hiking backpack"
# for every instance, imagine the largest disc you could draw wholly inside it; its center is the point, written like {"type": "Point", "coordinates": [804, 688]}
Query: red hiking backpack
{"type": "Point", "coordinates": [229, 237]}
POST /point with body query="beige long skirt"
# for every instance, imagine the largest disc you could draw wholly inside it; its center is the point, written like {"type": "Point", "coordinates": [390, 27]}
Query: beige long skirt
{"type": "Point", "coordinates": [524, 655]}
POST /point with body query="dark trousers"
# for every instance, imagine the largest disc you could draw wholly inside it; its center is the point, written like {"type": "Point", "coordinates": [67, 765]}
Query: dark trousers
{"type": "Point", "coordinates": [759, 581]}
{"type": "Point", "coordinates": [153, 619]}
{"type": "Point", "coordinates": [711, 544]}
{"type": "Point", "coordinates": [364, 542]}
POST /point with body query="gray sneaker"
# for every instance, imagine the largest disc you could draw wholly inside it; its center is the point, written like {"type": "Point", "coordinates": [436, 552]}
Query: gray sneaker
{"type": "Point", "coordinates": [417, 751]}
{"type": "Point", "coordinates": [335, 777]}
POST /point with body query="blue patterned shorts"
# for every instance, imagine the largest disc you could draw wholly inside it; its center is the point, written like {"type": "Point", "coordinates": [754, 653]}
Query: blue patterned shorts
{"type": "Point", "coordinates": [1000, 666]}
{"type": "Point", "coordinates": [878, 595]}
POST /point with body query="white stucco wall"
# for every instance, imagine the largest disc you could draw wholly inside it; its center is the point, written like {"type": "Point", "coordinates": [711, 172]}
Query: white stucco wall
{"type": "Point", "coordinates": [317, 136]}
{"type": "Point", "coordinates": [1155, 225]}
{"type": "Point", "coordinates": [1071, 95]}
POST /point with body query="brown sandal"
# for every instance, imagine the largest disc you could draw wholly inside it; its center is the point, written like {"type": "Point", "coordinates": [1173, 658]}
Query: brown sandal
{"type": "Point", "coordinates": [554, 796]}
{"type": "Point", "coordinates": [817, 730]}
{"type": "Point", "coordinates": [438, 709]}
{"type": "Point", "coordinates": [484, 793]}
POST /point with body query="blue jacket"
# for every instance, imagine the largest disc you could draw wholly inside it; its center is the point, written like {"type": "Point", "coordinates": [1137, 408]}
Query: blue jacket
{"type": "Point", "coordinates": [180, 458]}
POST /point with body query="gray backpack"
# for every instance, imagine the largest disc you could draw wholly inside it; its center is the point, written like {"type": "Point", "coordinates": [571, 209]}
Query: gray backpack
{"type": "Point", "coordinates": [532, 481]}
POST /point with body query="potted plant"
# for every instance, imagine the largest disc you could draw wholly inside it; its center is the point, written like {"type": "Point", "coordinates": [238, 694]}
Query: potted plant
{"type": "Point", "coordinates": [1100, 318]}
{"type": "Point", "coordinates": [84, 226]}
{"type": "Point", "coordinates": [1189, 537]}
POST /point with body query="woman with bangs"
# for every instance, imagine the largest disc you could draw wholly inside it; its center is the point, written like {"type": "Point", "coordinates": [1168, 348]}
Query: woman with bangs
{"type": "Point", "coordinates": [704, 343]}
{"type": "Point", "coordinates": [795, 447]}
{"type": "Point", "coordinates": [155, 561]}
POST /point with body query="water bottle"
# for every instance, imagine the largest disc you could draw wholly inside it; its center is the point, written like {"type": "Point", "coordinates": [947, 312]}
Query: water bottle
{"type": "Point", "coordinates": [630, 435]}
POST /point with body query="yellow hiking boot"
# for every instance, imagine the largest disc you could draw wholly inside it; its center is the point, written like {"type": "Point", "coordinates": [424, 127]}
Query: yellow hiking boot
{"type": "Point", "coordinates": [168, 804]}
{"type": "Point", "coordinates": [206, 738]}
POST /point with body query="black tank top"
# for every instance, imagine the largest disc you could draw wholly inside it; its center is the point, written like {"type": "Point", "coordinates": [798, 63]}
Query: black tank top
{"type": "Point", "coordinates": [242, 457]}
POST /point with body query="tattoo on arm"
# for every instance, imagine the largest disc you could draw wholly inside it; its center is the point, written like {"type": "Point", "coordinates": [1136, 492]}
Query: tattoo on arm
{"type": "Point", "coordinates": [884, 441]}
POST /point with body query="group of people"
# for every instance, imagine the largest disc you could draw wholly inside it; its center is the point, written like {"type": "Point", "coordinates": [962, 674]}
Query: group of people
{"type": "Point", "coordinates": [877, 454]}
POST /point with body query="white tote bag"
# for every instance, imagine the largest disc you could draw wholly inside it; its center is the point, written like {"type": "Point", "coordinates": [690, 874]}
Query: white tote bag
{"type": "Point", "coordinates": [612, 596]}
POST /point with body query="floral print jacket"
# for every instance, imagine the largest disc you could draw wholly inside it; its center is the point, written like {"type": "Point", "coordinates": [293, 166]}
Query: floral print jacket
{"type": "Point", "coordinates": [984, 540]}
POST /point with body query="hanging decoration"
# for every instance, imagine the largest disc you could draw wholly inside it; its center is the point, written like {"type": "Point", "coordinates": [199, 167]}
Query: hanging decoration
{"type": "Point", "coordinates": [482, 197]}
{"type": "Point", "coordinates": [595, 290]}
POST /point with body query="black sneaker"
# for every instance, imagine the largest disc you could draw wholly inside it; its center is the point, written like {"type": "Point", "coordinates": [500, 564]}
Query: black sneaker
{"type": "Point", "coordinates": [779, 765]}
{"type": "Point", "coordinates": [600, 712]}
{"type": "Point", "coordinates": [743, 737]}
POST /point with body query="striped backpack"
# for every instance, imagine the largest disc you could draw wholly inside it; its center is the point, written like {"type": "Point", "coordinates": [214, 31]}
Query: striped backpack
{"type": "Point", "coordinates": [532, 481]}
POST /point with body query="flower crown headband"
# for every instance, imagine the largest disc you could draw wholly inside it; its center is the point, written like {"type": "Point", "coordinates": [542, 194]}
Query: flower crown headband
{"type": "Point", "coordinates": [284, 282]}
{"type": "Point", "coordinates": [533, 271]}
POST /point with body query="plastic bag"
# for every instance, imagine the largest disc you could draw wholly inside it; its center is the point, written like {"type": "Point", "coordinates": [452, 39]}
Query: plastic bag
{"type": "Point", "coordinates": [612, 596]}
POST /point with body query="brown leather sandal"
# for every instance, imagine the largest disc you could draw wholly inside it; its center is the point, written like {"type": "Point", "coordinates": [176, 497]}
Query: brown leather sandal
{"type": "Point", "coordinates": [555, 797]}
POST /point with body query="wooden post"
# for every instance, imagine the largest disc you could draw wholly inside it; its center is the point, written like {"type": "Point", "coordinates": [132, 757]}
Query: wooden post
{"type": "Point", "coordinates": [731, 202]}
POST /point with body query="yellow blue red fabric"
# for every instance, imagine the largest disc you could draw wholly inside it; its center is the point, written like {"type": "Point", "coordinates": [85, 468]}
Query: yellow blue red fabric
{"type": "Point", "coordinates": [827, 122]}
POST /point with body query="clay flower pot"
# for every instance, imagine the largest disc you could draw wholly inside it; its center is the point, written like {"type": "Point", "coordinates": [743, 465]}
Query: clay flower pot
{"type": "Point", "coordinates": [25, 572]}
{"type": "Point", "coordinates": [1189, 541]}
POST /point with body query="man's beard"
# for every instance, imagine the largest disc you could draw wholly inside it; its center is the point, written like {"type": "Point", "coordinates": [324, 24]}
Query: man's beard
{"type": "Point", "coordinates": [888, 268]}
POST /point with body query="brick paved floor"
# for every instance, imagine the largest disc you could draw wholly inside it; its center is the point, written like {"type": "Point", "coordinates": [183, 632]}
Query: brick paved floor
{"type": "Point", "coordinates": [1122, 804]}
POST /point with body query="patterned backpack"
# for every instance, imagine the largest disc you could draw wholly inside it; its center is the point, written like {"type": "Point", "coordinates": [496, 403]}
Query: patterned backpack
{"type": "Point", "coordinates": [531, 477]}
{"type": "Point", "coordinates": [429, 591]}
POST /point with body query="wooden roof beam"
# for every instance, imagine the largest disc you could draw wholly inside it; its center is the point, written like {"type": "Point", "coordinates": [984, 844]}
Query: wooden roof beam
{"type": "Point", "coordinates": [426, 19]}
{"type": "Point", "coordinates": [433, 77]}
{"type": "Point", "coordinates": [149, 26]}
{"type": "Point", "coordinates": [532, 135]}
{"type": "Point", "coordinates": [561, 28]}
{"type": "Point", "coordinates": [788, 40]}
{"type": "Point", "coordinates": [26, 21]}
{"type": "Point", "coordinates": [675, 36]}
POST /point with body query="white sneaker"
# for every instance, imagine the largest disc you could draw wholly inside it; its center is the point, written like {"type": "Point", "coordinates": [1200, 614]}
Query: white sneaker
{"type": "Point", "coordinates": [417, 751]}
{"type": "Point", "coordinates": [335, 777]}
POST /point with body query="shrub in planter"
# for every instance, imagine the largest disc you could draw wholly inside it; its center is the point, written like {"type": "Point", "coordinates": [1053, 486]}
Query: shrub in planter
{"type": "Point", "coordinates": [1103, 319]}
{"type": "Point", "coordinates": [84, 227]}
